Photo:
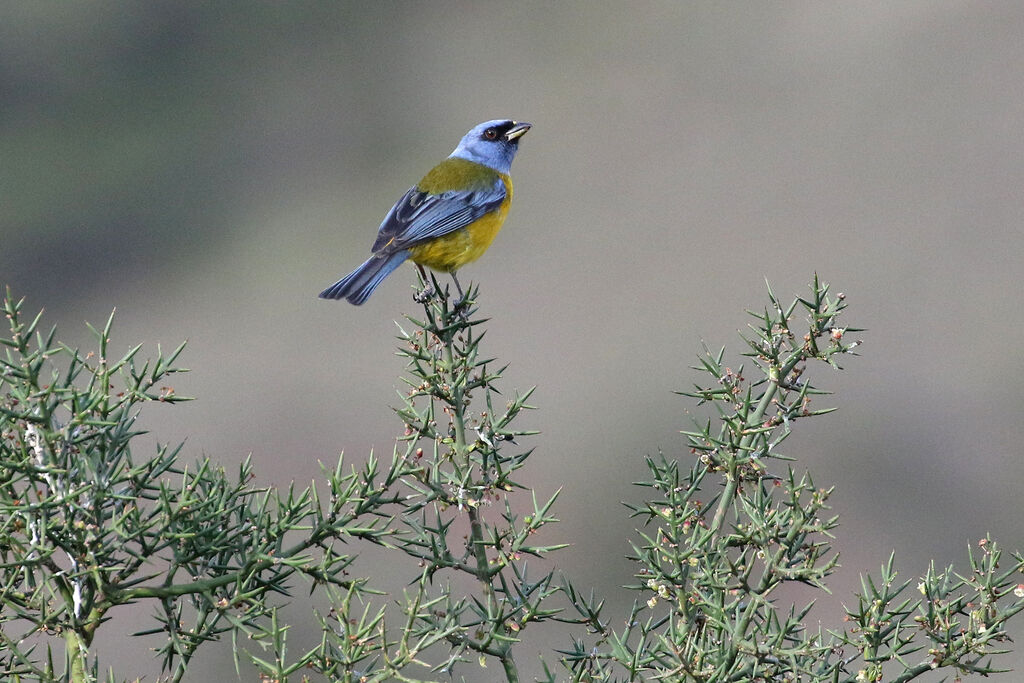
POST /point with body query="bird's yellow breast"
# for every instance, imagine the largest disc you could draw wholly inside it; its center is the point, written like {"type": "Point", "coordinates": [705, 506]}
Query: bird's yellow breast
{"type": "Point", "coordinates": [454, 250]}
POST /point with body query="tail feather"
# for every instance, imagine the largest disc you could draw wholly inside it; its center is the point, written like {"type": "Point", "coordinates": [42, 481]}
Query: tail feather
{"type": "Point", "coordinates": [357, 286]}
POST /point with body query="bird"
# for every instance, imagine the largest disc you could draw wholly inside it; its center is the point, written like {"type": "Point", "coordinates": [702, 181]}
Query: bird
{"type": "Point", "coordinates": [448, 218]}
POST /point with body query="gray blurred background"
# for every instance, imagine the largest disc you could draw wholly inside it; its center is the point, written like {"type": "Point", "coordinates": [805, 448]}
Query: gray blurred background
{"type": "Point", "coordinates": [208, 168]}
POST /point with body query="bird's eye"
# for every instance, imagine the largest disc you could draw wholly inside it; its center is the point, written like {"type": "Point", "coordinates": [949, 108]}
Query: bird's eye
{"type": "Point", "coordinates": [491, 134]}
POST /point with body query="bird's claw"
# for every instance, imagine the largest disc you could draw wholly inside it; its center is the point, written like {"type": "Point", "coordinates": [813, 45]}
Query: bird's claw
{"type": "Point", "coordinates": [424, 295]}
{"type": "Point", "coordinates": [461, 307]}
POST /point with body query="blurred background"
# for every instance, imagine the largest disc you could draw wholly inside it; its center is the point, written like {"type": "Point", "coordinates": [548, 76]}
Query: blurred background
{"type": "Point", "coordinates": [207, 168]}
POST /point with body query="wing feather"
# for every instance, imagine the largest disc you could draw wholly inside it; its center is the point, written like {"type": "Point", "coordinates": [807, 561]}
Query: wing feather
{"type": "Point", "coordinates": [420, 216]}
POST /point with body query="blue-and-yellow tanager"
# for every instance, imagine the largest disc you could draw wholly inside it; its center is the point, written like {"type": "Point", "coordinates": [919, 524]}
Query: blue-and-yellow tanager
{"type": "Point", "coordinates": [449, 218]}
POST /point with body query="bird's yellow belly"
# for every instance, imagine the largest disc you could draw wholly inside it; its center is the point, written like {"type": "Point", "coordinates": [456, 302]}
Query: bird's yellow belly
{"type": "Point", "coordinates": [454, 250]}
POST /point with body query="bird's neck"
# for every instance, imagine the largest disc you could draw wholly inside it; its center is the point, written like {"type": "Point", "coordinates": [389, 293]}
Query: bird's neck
{"type": "Point", "coordinates": [455, 173]}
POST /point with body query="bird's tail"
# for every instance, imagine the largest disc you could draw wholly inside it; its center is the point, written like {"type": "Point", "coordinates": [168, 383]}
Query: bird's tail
{"type": "Point", "coordinates": [358, 285]}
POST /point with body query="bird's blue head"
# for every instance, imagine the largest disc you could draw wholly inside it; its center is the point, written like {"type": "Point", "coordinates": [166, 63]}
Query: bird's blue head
{"type": "Point", "coordinates": [492, 144]}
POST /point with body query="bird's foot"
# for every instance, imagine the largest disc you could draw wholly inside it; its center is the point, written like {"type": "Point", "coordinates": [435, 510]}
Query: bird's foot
{"type": "Point", "coordinates": [461, 307]}
{"type": "Point", "coordinates": [424, 295]}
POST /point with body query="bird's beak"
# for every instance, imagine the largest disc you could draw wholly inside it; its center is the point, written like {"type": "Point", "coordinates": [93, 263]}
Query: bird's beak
{"type": "Point", "coordinates": [517, 131]}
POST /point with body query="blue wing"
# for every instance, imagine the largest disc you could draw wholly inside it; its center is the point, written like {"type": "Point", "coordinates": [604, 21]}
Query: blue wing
{"type": "Point", "coordinates": [420, 216]}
